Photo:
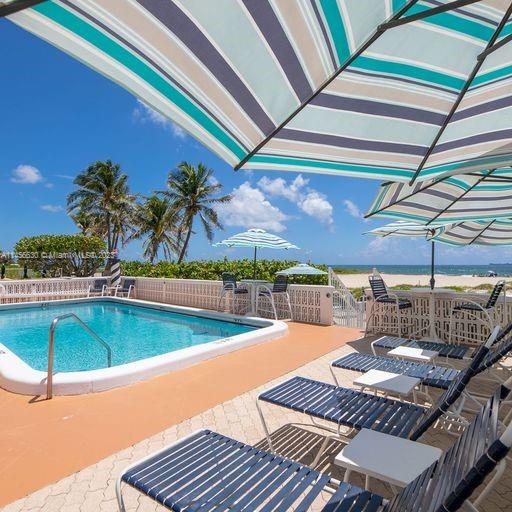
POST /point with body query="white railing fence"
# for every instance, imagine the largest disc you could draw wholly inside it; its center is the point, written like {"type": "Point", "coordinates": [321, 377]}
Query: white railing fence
{"type": "Point", "coordinates": [310, 303]}
{"type": "Point", "coordinates": [347, 311]}
{"type": "Point", "coordinates": [465, 328]}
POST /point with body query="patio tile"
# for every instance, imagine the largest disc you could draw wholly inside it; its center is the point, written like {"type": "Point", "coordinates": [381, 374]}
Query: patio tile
{"type": "Point", "coordinates": [93, 489]}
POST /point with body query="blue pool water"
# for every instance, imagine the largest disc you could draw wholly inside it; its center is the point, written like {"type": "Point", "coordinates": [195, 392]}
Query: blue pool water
{"type": "Point", "coordinates": [133, 332]}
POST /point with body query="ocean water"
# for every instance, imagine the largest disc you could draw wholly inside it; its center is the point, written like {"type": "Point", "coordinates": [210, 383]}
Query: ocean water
{"type": "Point", "coordinates": [502, 269]}
{"type": "Point", "coordinates": [133, 332]}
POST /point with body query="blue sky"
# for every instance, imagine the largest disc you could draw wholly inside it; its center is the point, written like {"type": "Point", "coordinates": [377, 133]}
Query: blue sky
{"type": "Point", "coordinates": [58, 116]}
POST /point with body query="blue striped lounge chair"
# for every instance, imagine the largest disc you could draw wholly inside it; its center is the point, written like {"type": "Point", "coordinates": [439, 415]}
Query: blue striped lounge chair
{"type": "Point", "coordinates": [340, 411]}
{"type": "Point", "coordinates": [430, 375]}
{"type": "Point", "coordinates": [207, 471]}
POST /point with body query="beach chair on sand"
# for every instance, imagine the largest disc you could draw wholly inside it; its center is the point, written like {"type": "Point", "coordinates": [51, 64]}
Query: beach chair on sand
{"type": "Point", "coordinates": [209, 471]}
{"type": "Point", "coordinates": [341, 411]}
{"type": "Point", "coordinates": [430, 375]}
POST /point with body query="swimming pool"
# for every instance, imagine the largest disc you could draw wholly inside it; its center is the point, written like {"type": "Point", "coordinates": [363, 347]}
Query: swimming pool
{"type": "Point", "coordinates": [146, 339]}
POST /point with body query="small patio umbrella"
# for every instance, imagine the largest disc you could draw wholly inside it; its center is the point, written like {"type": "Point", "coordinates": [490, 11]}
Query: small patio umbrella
{"type": "Point", "coordinates": [383, 89]}
{"type": "Point", "coordinates": [482, 232]}
{"type": "Point", "coordinates": [302, 269]}
{"type": "Point", "coordinates": [258, 239]}
{"type": "Point", "coordinates": [465, 197]}
{"type": "Point", "coordinates": [402, 228]}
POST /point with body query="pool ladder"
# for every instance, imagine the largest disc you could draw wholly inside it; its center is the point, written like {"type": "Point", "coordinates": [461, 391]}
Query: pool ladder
{"type": "Point", "coordinates": [51, 345]}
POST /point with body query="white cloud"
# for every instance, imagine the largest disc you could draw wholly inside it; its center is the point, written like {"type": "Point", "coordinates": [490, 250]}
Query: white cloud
{"type": "Point", "coordinates": [353, 210]}
{"type": "Point", "coordinates": [309, 200]}
{"type": "Point", "coordinates": [65, 176]}
{"type": "Point", "coordinates": [249, 208]}
{"type": "Point", "coordinates": [317, 206]}
{"type": "Point", "coordinates": [145, 114]}
{"type": "Point", "coordinates": [26, 175]}
{"type": "Point", "coordinates": [53, 208]}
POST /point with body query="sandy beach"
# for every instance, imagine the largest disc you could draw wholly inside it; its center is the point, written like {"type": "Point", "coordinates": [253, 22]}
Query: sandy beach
{"type": "Point", "coordinates": [361, 280]}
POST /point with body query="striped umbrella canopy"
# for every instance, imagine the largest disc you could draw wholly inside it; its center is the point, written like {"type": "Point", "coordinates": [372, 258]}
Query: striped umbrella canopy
{"type": "Point", "coordinates": [257, 239]}
{"type": "Point", "coordinates": [302, 269]}
{"type": "Point", "coordinates": [482, 232]}
{"type": "Point", "coordinates": [403, 228]}
{"type": "Point", "coordinates": [465, 197]}
{"type": "Point", "coordinates": [386, 89]}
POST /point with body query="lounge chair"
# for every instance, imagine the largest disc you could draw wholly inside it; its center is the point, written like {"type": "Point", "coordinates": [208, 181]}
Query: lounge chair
{"type": "Point", "coordinates": [279, 289]}
{"type": "Point", "coordinates": [209, 471]}
{"type": "Point", "coordinates": [98, 287]}
{"type": "Point", "coordinates": [485, 313]}
{"type": "Point", "coordinates": [126, 289]}
{"type": "Point", "coordinates": [229, 285]}
{"type": "Point", "coordinates": [430, 375]}
{"type": "Point", "coordinates": [345, 407]}
{"type": "Point", "coordinates": [448, 350]}
{"type": "Point", "coordinates": [381, 296]}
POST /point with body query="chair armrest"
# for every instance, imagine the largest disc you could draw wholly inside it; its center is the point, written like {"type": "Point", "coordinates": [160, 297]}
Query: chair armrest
{"type": "Point", "coordinates": [468, 301]}
{"type": "Point", "coordinates": [263, 287]}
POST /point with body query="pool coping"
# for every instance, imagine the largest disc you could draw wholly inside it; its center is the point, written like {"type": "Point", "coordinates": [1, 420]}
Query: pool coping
{"type": "Point", "coordinates": [18, 377]}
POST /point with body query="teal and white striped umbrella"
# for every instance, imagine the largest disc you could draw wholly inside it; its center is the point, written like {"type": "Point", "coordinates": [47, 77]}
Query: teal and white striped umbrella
{"type": "Point", "coordinates": [385, 89]}
{"type": "Point", "coordinates": [465, 197]}
{"type": "Point", "coordinates": [257, 239]}
{"type": "Point", "coordinates": [302, 269]}
{"type": "Point", "coordinates": [483, 232]}
{"type": "Point", "coordinates": [403, 228]}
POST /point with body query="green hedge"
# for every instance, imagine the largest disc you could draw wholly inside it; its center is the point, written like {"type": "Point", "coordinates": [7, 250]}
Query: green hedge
{"type": "Point", "coordinates": [213, 269]}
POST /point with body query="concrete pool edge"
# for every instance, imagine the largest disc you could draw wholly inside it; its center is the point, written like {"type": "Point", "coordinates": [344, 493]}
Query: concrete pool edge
{"type": "Point", "coordinates": [18, 377]}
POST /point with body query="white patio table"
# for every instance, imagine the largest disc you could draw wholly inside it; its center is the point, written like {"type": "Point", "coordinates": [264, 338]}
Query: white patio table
{"type": "Point", "coordinates": [253, 284]}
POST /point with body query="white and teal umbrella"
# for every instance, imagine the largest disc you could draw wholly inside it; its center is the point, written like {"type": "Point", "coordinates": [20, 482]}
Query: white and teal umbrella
{"type": "Point", "coordinates": [257, 239]}
{"type": "Point", "coordinates": [485, 195]}
{"type": "Point", "coordinates": [403, 228]}
{"type": "Point", "coordinates": [384, 89]}
{"type": "Point", "coordinates": [481, 232]}
{"type": "Point", "coordinates": [302, 269]}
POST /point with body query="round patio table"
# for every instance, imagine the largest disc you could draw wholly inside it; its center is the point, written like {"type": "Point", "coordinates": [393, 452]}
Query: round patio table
{"type": "Point", "coordinates": [253, 291]}
{"type": "Point", "coordinates": [432, 331]}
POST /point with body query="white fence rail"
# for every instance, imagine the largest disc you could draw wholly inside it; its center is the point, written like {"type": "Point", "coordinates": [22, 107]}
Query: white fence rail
{"type": "Point", "coordinates": [347, 311]}
{"type": "Point", "coordinates": [310, 304]}
{"type": "Point", "coordinates": [465, 328]}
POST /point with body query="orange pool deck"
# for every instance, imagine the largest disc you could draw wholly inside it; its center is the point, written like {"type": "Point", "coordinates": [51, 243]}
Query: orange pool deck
{"type": "Point", "coordinates": [42, 441]}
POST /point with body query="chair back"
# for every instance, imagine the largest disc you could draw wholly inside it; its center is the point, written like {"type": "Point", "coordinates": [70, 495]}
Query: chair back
{"type": "Point", "coordinates": [444, 486]}
{"type": "Point", "coordinates": [127, 283]}
{"type": "Point", "coordinates": [495, 294]}
{"type": "Point", "coordinates": [280, 284]}
{"type": "Point", "coordinates": [98, 284]}
{"type": "Point", "coordinates": [378, 286]}
{"type": "Point", "coordinates": [453, 393]}
{"type": "Point", "coordinates": [228, 280]}
{"type": "Point", "coordinates": [499, 349]}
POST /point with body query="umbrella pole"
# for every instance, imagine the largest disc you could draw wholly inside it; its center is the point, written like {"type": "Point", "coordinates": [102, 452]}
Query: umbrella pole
{"type": "Point", "coordinates": [432, 268]}
{"type": "Point", "coordinates": [254, 264]}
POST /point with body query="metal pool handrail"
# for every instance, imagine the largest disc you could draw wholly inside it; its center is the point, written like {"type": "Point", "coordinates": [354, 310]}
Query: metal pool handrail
{"type": "Point", "coordinates": [51, 345]}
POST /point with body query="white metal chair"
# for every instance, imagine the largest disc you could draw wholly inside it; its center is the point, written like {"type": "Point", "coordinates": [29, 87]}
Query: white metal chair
{"type": "Point", "coordinates": [126, 289]}
{"type": "Point", "coordinates": [98, 287]}
{"type": "Point", "coordinates": [484, 313]}
{"type": "Point", "coordinates": [230, 287]}
{"type": "Point", "coordinates": [381, 296]}
{"type": "Point", "coordinates": [279, 290]}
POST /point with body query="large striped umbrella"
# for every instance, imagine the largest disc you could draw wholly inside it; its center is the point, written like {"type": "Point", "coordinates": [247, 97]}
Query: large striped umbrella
{"type": "Point", "coordinates": [387, 89]}
{"type": "Point", "coordinates": [403, 228]}
{"type": "Point", "coordinates": [258, 239]}
{"type": "Point", "coordinates": [465, 197]}
{"type": "Point", "coordinates": [483, 232]}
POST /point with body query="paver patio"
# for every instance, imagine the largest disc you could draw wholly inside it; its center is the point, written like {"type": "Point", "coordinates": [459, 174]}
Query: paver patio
{"type": "Point", "coordinates": [92, 489]}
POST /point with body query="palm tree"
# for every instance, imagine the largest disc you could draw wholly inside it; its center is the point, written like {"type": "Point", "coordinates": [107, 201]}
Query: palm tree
{"type": "Point", "coordinates": [192, 191]}
{"type": "Point", "coordinates": [157, 221]}
{"type": "Point", "coordinates": [87, 223]}
{"type": "Point", "coordinates": [104, 196]}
